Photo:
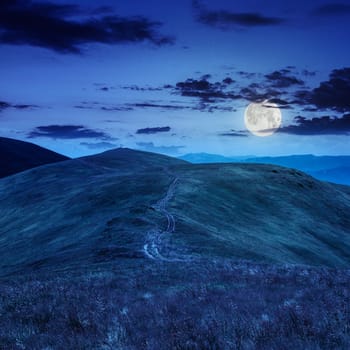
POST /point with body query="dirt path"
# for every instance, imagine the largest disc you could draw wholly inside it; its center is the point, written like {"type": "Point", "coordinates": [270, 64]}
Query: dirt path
{"type": "Point", "coordinates": [156, 239]}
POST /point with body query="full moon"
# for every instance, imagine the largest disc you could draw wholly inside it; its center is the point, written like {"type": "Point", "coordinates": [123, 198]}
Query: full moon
{"type": "Point", "coordinates": [262, 119]}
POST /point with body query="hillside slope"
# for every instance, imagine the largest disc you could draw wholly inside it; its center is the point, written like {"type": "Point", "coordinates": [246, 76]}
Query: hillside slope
{"type": "Point", "coordinates": [17, 156]}
{"type": "Point", "coordinates": [326, 168]}
{"type": "Point", "coordinates": [89, 213]}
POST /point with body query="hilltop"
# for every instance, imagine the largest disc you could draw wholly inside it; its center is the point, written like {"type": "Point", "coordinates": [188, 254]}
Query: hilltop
{"type": "Point", "coordinates": [17, 156]}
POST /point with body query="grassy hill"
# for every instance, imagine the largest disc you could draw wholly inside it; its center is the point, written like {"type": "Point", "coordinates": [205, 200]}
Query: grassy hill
{"type": "Point", "coordinates": [326, 168]}
{"type": "Point", "coordinates": [82, 213]}
{"type": "Point", "coordinates": [133, 250]}
{"type": "Point", "coordinates": [17, 156]}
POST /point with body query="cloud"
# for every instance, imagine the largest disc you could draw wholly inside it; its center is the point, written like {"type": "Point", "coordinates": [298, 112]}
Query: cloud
{"type": "Point", "coordinates": [226, 19]}
{"type": "Point", "coordinates": [211, 108]}
{"type": "Point", "coordinates": [234, 133]}
{"type": "Point", "coordinates": [332, 9]}
{"type": "Point", "coordinates": [5, 105]}
{"type": "Point", "coordinates": [308, 73]}
{"type": "Point", "coordinates": [99, 106]}
{"type": "Point", "coordinates": [68, 132]}
{"type": "Point", "coordinates": [141, 88]}
{"type": "Point", "coordinates": [247, 75]}
{"type": "Point", "coordinates": [153, 130]}
{"type": "Point", "coordinates": [259, 94]}
{"type": "Point", "coordinates": [150, 147]}
{"type": "Point", "coordinates": [228, 81]}
{"type": "Point", "coordinates": [117, 109]}
{"type": "Point", "coordinates": [281, 79]}
{"type": "Point", "coordinates": [99, 145]}
{"type": "Point", "coordinates": [280, 103]}
{"type": "Point", "coordinates": [155, 105]}
{"type": "Point", "coordinates": [129, 106]}
{"type": "Point", "coordinates": [319, 126]}
{"type": "Point", "coordinates": [332, 94]}
{"type": "Point", "coordinates": [48, 25]}
{"type": "Point", "coordinates": [208, 92]}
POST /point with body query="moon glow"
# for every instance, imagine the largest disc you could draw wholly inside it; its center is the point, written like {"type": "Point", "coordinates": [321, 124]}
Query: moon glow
{"type": "Point", "coordinates": [262, 119]}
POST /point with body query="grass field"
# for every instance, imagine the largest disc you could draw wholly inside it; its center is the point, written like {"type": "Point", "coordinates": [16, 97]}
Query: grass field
{"type": "Point", "coordinates": [259, 258]}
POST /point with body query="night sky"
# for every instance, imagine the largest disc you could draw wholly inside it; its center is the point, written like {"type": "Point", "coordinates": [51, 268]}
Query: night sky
{"type": "Point", "coordinates": [174, 77]}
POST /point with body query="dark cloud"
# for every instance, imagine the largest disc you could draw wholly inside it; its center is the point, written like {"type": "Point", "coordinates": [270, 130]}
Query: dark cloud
{"type": "Point", "coordinates": [280, 102]}
{"type": "Point", "coordinates": [24, 106]}
{"type": "Point", "coordinates": [247, 75]}
{"type": "Point", "coordinates": [228, 81]}
{"type": "Point", "coordinates": [308, 73]}
{"type": "Point", "coordinates": [319, 126]}
{"type": "Point", "coordinates": [205, 90]}
{"type": "Point", "coordinates": [83, 107]}
{"type": "Point", "coordinates": [99, 145]}
{"type": "Point", "coordinates": [67, 132]}
{"type": "Point", "coordinates": [281, 79]}
{"type": "Point", "coordinates": [333, 94]}
{"type": "Point", "coordinates": [332, 9]}
{"type": "Point", "coordinates": [4, 105]}
{"type": "Point", "coordinates": [150, 147]}
{"type": "Point", "coordinates": [99, 106]}
{"type": "Point", "coordinates": [117, 109]}
{"type": "Point", "coordinates": [155, 105]}
{"type": "Point", "coordinates": [48, 25]}
{"type": "Point", "coordinates": [225, 19]}
{"type": "Point", "coordinates": [141, 88]}
{"type": "Point", "coordinates": [211, 108]}
{"type": "Point", "coordinates": [154, 130]}
{"type": "Point", "coordinates": [254, 94]}
{"type": "Point", "coordinates": [234, 133]}
{"type": "Point", "coordinates": [215, 96]}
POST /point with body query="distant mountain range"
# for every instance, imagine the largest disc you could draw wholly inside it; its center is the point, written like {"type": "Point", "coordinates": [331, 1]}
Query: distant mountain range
{"type": "Point", "coordinates": [327, 168]}
{"type": "Point", "coordinates": [17, 156]}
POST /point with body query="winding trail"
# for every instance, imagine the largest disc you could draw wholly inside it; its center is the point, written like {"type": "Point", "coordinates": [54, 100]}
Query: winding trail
{"type": "Point", "coordinates": [156, 238]}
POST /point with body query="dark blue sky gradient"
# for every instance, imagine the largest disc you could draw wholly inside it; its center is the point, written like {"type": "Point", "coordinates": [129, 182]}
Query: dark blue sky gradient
{"type": "Point", "coordinates": [80, 78]}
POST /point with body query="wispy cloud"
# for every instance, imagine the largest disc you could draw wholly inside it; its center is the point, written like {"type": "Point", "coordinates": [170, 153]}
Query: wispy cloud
{"type": "Point", "coordinates": [282, 79]}
{"type": "Point", "coordinates": [150, 147]}
{"type": "Point", "coordinates": [68, 132]}
{"type": "Point", "coordinates": [156, 105]}
{"type": "Point", "coordinates": [141, 88]}
{"type": "Point", "coordinates": [154, 130]}
{"type": "Point", "coordinates": [234, 133]}
{"type": "Point", "coordinates": [206, 90]}
{"type": "Point", "coordinates": [226, 19]}
{"type": "Point", "coordinates": [332, 9]}
{"type": "Point", "coordinates": [5, 105]}
{"type": "Point", "coordinates": [99, 145]}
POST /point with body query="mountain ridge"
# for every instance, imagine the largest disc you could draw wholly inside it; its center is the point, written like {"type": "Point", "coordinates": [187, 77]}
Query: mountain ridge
{"type": "Point", "coordinates": [328, 168]}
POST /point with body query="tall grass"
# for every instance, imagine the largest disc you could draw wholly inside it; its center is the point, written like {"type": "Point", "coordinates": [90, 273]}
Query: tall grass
{"type": "Point", "coordinates": [198, 305]}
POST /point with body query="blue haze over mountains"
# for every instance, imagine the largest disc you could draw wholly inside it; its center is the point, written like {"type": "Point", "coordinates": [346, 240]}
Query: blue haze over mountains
{"type": "Point", "coordinates": [327, 168]}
